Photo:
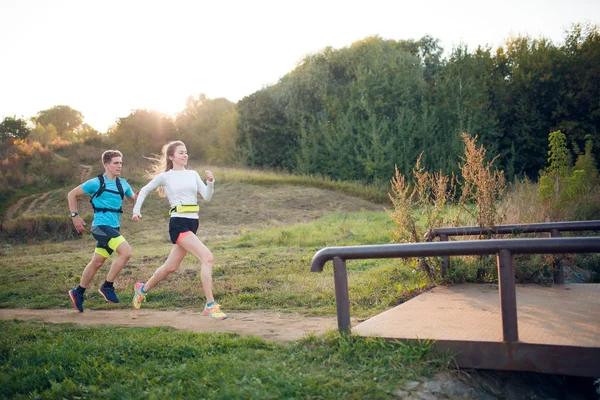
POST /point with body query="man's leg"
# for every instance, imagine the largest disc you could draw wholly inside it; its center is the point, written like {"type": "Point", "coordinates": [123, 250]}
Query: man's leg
{"type": "Point", "coordinates": [118, 244]}
{"type": "Point", "coordinates": [86, 277]}
{"type": "Point", "coordinates": [90, 270]}
{"type": "Point", "coordinates": [123, 254]}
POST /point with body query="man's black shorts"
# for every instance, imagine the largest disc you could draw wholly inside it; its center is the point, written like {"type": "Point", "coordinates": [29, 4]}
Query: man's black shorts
{"type": "Point", "coordinates": [108, 238]}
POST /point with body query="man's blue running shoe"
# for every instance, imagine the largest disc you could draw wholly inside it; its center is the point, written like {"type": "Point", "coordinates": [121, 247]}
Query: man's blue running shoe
{"type": "Point", "coordinates": [109, 294]}
{"type": "Point", "coordinates": [77, 300]}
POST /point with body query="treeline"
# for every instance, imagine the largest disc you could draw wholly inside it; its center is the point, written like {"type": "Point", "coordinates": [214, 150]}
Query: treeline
{"type": "Point", "coordinates": [356, 112]}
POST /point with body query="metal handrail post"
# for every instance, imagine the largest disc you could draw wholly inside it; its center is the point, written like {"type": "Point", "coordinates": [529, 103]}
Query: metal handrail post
{"type": "Point", "coordinates": [508, 296]}
{"type": "Point", "coordinates": [559, 272]}
{"type": "Point", "coordinates": [342, 302]}
{"type": "Point", "coordinates": [445, 259]}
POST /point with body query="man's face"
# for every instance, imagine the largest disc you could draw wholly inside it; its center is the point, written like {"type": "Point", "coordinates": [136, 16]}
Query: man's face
{"type": "Point", "coordinates": [114, 166]}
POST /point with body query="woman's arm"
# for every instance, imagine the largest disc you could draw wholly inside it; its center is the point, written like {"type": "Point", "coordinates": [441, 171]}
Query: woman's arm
{"type": "Point", "coordinates": [157, 181]}
{"type": "Point", "coordinates": [206, 190]}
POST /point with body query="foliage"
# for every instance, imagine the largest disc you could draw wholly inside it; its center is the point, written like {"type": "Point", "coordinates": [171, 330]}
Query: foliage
{"type": "Point", "coordinates": [39, 227]}
{"type": "Point", "coordinates": [355, 112]}
{"type": "Point", "coordinates": [559, 158]}
{"type": "Point", "coordinates": [481, 184]}
{"type": "Point", "coordinates": [66, 120]}
{"type": "Point", "coordinates": [209, 129]}
{"type": "Point", "coordinates": [403, 199]}
{"type": "Point", "coordinates": [263, 138]}
{"type": "Point", "coordinates": [567, 193]}
{"type": "Point", "coordinates": [13, 128]}
{"type": "Point", "coordinates": [30, 163]}
{"type": "Point", "coordinates": [43, 134]}
{"type": "Point", "coordinates": [143, 132]}
{"type": "Point", "coordinates": [587, 163]}
{"type": "Point", "coordinates": [429, 194]}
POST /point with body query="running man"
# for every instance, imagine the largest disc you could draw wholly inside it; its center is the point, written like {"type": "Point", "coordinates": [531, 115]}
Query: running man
{"type": "Point", "coordinates": [106, 192]}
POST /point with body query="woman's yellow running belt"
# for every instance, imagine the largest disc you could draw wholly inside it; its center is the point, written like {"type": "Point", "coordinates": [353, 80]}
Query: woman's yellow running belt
{"type": "Point", "coordinates": [185, 208]}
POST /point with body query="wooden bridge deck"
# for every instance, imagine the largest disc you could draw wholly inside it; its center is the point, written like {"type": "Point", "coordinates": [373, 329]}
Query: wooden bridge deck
{"type": "Point", "coordinates": [558, 326]}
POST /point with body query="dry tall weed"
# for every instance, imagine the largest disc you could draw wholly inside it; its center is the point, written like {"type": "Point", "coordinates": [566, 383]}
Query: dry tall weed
{"type": "Point", "coordinates": [482, 184]}
{"type": "Point", "coordinates": [429, 194]}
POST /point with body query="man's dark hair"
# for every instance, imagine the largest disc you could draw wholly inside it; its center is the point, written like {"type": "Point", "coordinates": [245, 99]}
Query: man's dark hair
{"type": "Point", "coordinates": [109, 154]}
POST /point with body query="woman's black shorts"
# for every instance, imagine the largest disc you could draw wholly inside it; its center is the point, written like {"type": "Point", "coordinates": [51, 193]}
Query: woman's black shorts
{"type": "Point", "coordinates": [178, 225]}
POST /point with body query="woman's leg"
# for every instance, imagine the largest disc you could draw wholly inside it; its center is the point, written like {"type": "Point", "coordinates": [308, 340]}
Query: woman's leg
{"type": "Point", "coordinates": [194, 246]}
{"type": "Point", "coordinates": [173, 261]}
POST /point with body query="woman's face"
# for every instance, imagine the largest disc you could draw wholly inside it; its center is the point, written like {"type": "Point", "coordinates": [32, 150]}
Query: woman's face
{"type": "Point", "coordinates": [180, 156]}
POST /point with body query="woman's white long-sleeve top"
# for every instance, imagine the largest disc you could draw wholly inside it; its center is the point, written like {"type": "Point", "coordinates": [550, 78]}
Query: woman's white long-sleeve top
{"type": "Point", "coordinates": [181, 187]}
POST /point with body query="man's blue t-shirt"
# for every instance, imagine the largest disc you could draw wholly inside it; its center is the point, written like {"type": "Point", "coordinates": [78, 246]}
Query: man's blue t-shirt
{"type": "Point", "coordinates": [107, 200]}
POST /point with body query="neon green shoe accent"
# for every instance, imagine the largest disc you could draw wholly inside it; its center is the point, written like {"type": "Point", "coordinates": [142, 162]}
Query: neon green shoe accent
{"type": "Point", "coordinates": [138, 297]}
{"type": "Point", "coordinates": [215, 312]}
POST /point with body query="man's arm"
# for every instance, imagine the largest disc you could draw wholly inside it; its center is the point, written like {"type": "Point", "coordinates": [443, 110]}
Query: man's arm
{"type": "Point", "coordinates": [78, 222]}
{"type": "Point", "coordinates": [133, 198]}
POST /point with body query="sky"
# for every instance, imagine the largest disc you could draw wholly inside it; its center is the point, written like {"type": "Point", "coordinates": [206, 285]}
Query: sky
{"type": "Point", "coordinates": [107, 58]}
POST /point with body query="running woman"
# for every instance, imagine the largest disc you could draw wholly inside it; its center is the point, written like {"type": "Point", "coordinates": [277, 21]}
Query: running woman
{"type": "Point", "coordinates": [106, 192]}
{"type": "Point", "coordinates": [181, 187]}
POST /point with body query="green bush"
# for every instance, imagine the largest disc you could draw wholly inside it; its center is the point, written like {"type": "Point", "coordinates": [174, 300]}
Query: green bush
{"type": "Point", "coordinates": [591, 263]}
{"type": "Point", "coordinates": [39, 227]}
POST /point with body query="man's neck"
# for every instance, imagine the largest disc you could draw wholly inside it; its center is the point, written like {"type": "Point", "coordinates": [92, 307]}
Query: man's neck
{"type": "Point", "coordinates": [109, 176]}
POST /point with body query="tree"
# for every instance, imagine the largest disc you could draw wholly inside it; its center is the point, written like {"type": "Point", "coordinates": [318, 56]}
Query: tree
{"type": "Point", "coordinates": [533, 83]}
{"type": "Point", "coordinates": [14, 128]}
{"type": "Point", "coordinates": [143, 132]}
{"type": "Point", "coordinates": [586, 162]}
{"type": "Point", "coordinates": [43, 134]}
{"type": "Point", "coordinates": [577, 113]}
{"type": "Point", "coordinates": [65, 119]}
{"type": "Point", "coordinates": [263, 138]}
{"type": "Point", "coordinates": [209, 128]}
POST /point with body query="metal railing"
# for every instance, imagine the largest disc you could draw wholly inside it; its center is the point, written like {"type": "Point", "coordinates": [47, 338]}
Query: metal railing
{"type": "Point", "coordinates": [553, 228]}
{"type": "Point", "coordinates": [505, 249]}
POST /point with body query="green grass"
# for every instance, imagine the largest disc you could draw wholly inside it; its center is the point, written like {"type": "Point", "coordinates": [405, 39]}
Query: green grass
{"type": "Point", "coordinates": [336, 229]}
{"type": "Point", "coordinates": [39, 361]}
{"type": "Point", "coordinates": [266, 178]}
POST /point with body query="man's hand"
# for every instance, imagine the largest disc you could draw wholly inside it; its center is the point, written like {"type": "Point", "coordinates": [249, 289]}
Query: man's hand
{"type": "Point", "coordinates": [136, 217]}
{"type": "Point", "coordinates": [79, 224]}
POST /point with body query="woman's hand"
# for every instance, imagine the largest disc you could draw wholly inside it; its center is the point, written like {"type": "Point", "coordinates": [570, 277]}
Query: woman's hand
{"type": "Point", "coordinates": [209, 176]}
{"type": "Point", "coordinates": [136, 217]}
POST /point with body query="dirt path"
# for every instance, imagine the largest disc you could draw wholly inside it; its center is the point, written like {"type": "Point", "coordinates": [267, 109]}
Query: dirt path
{"type": "Point", "coordinates": [270, 326]}
{"type": "Point", "coordinates": [85, 172]}
{"type": "Point", "coordinates": [16, 207]}
{"type": "Point", "coordinates": [35, 202]}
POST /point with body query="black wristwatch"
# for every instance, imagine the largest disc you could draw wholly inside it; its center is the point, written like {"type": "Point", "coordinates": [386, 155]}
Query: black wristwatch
{"type": "Point", "coordinates": [74, 214]}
